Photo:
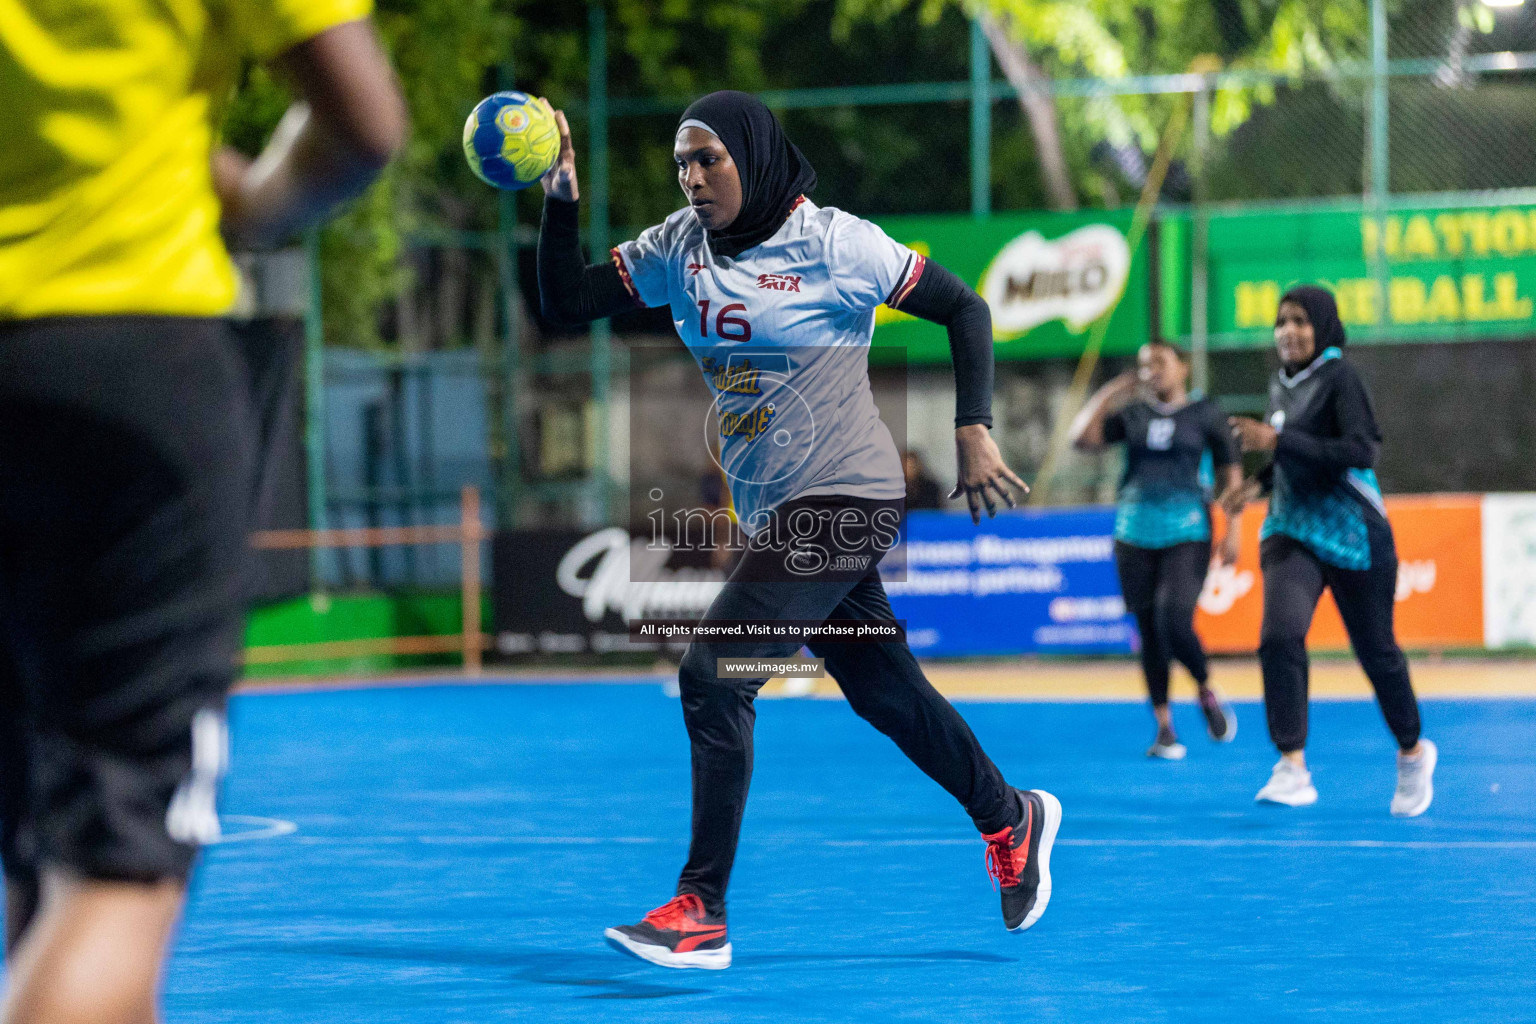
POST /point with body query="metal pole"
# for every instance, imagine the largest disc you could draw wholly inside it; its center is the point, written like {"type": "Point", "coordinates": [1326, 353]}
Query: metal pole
{"type": "Point", "coordinates": [314, 406]}
{"type": "Point", "coordinates": [1380, 167]}
{"type": "Point", "coordinates": [597, 187]}
{"type": "Point", "coordinates": [1199, 287]}
{"type": "Point", "coordinates": [1380, 157]}
{"type": "Point", "coordinates": [981, 122]}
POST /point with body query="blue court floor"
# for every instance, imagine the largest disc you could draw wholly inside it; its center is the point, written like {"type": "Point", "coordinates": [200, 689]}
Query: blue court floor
{"type": "Point", "coordinates": [457, 851]}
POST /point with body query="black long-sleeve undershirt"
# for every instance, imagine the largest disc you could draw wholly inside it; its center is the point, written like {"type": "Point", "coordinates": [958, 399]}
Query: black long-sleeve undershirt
{"type": "Point", "coordinates": [574, 292]}
{"type": "Point", "coordinates": [570, 290]}
{"type": "Point", "coordinates": [941, 297]}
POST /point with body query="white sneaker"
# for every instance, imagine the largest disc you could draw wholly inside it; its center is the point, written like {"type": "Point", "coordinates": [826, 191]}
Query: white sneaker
{"type": "Point", "coordinates": [1167, 746]}
{"type": "Point", "coordinates": [1415, 782]}
{"type": "Point", "coordinates": [1288, 785]}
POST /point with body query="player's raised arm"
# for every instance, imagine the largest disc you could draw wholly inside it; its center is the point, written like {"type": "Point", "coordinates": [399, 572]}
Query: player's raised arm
{"type": "Point", "coordinates": [560, 182]}
{"type": "Point", "coordinates": [1088, 426]}
{"type": "Point", "coordinates": [570, 291]}
{"type": "Point", "coordinates": [331, 144]}
{"type": "Point", "coordinates": [940, 296]}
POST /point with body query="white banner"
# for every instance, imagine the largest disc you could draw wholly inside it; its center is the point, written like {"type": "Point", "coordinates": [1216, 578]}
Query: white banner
{"type": "Point", "coordinates": [1509, 570]}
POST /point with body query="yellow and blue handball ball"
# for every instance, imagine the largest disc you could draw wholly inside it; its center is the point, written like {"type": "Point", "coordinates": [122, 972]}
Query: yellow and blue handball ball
{"type": "Point", "coordinates": [511, 140]}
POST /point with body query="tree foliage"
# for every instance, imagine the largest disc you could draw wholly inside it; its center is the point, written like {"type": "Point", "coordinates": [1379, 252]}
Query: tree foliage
{"type": "Point", "coordinates": [1115, 39]}
{"type": "Point", "coordinates": [873, 159]}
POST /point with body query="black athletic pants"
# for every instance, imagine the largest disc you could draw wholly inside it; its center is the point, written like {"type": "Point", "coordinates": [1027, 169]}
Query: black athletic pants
{"type": "Point", "coordinates": [882, 682]}
{"type": "Point", "coordinates": [1294, 579]}
{"type": "Point", "coordinates": [1161, 587]}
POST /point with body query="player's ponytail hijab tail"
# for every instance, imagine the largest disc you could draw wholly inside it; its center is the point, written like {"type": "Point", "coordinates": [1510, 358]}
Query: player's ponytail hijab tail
{"type": "Point", "coordinates": [774, 173]}
{"type": "Point", "coordinates": [1322, 311]}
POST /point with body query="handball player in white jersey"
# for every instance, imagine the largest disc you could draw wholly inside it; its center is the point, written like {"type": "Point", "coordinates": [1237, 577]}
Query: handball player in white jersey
{"type": "Point", "coordinates": [775, 298]}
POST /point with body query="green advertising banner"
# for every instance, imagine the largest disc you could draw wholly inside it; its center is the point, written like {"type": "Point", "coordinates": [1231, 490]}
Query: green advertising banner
{"type": "Point", "coordinates": [1460, 271]}
{"type": "Point", "coordinates": [1449, 273]}
{"type": "Point", "coordinates": [1047, 276]}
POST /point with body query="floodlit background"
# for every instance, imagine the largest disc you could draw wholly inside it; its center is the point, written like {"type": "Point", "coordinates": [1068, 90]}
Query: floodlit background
{"type": "Point", "coordinates": [1387, 149]}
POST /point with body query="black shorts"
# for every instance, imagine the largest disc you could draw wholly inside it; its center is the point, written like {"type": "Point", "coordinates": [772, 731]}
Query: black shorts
{"type": "Point", "coordinates": [126, 468]}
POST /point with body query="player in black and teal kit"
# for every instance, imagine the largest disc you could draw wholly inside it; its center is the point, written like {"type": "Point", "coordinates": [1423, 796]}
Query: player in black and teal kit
{"type": "Point", "coordinates": [1175, 445]}
{"type": "Point", "coordinates": [1327, 527]}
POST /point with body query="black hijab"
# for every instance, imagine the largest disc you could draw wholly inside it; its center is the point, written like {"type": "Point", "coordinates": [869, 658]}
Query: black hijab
{"type": "Point", "coordinates": [774, 174]}
{"type": "Point", "coordinates": [1323, 312]}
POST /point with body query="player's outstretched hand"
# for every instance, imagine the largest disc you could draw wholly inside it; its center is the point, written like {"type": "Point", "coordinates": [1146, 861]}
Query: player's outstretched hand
{"type": "Point", "coordinates": [983, 472]}
{"type": "Point", "coordinates": [560, 182]}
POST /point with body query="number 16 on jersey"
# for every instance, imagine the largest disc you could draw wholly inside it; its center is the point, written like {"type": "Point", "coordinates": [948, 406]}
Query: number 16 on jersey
{"type": "Point", "coordinates": [727, 327]}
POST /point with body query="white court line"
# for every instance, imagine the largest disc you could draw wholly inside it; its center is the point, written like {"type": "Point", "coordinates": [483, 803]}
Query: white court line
{"type": "Point", "coordinates": [1340, 844]}
{"type": "Point", "coordinates": [262, 828]}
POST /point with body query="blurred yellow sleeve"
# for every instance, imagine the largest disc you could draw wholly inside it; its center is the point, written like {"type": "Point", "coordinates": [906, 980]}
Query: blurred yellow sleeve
{"type": "Point", "coordinates": [269, 27]}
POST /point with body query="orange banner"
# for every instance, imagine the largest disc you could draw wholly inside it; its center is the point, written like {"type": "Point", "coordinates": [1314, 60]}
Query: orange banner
{"type": "Point", "coordinates": [1439, 581]}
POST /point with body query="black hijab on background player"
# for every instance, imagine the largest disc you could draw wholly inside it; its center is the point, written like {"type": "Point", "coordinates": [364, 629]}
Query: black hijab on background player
{"type": "Point", "coordinates": [774, 173]}
{"type": "Point", "coordinates": [1323, 313]}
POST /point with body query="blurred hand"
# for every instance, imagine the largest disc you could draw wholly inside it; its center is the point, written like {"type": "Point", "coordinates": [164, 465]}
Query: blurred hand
{"type": "Point", "coordinates": [560, 182]}
{"type": "Point", "coordinates": [1230, 548]}
{"type": "Point", "coordinates": [1234, 501]}
{"type": "Point", "coordinates": [1252, 435]}
{"type": "Point", "coordinates": [1124, 385]}
{"type": "Point", "coordinates": [983, 472]}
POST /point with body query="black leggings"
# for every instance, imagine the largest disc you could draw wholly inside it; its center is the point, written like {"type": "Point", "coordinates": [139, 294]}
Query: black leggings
{"type": "Point", "coordinates": [882, 682]}
{"type": "Point", "coordinates": [1294, 579]}
{"type": "Point", "coordinates": [1161, 587]}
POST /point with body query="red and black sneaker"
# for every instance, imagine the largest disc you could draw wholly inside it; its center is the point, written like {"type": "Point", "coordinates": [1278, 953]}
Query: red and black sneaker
{"type": "Point", "coordinates": [679, 933]}
{"type": "Point", "coordinates": [1019, 859]}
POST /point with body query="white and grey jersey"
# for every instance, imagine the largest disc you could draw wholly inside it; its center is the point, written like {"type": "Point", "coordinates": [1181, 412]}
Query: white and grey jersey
{"type": "Point", "coordinates": [781, 334]}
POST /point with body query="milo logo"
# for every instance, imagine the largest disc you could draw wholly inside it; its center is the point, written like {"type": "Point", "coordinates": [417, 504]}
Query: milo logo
{"type": "Point", "coordinates": [1076, 278]}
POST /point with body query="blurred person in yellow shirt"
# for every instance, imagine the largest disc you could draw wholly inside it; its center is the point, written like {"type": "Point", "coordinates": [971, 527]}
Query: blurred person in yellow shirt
{"type": "Point", "coordinates": [126, 445]}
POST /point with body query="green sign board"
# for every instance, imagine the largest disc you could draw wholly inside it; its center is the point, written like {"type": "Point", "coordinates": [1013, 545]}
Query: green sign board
{"type": "Point", "coordinates": [1048, 278]}
{"type": "Point", "coordinates": [1443, 274]}
{"type": "Point", "coordinates": [1459, 271]}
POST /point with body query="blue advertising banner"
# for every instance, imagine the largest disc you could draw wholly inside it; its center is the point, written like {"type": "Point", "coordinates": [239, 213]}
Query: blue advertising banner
{"type": "Point", "coordinates": [1028, 582]}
